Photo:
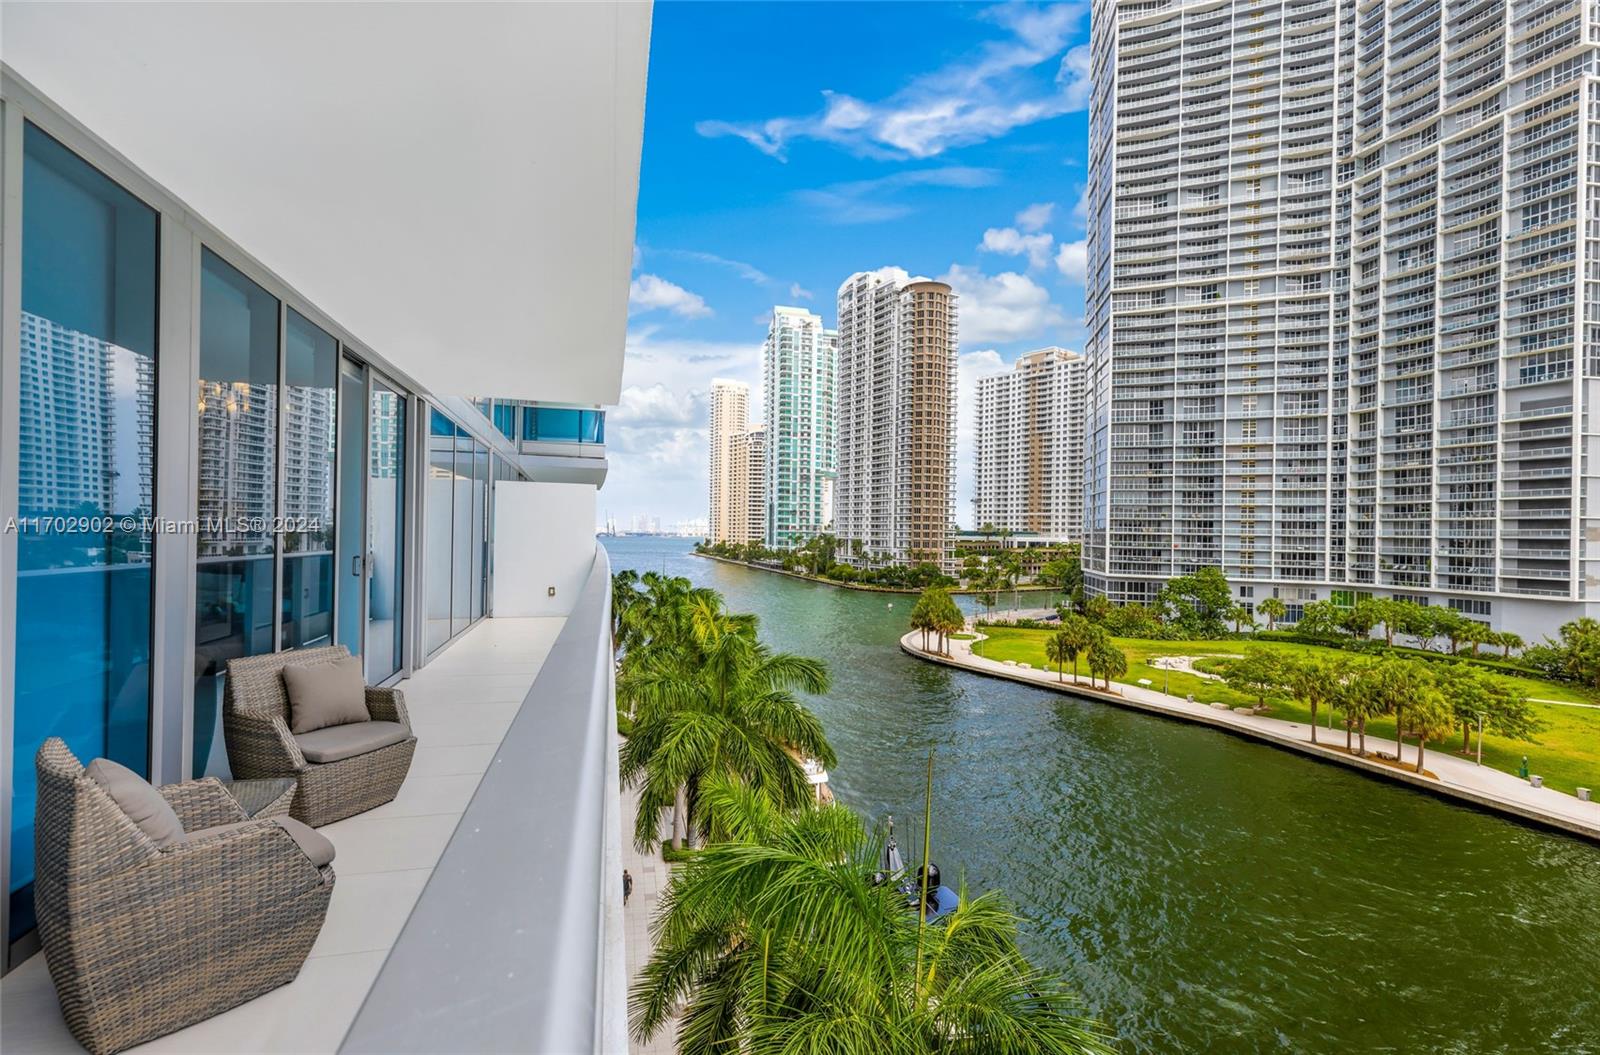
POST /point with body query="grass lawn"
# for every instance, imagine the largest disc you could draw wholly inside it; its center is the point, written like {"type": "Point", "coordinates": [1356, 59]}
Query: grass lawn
{"type": "Point", "coordinates": [1567, 754]}
{"type": "Point", "coordinates": [962, 637]}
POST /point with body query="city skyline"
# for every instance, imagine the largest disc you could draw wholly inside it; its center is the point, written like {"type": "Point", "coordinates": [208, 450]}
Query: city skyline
{"type": "Point", "coordinates": [986, 199]}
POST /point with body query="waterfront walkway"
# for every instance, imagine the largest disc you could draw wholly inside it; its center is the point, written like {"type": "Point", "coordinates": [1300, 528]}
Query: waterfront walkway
{"type": "Point", "coordinates": [650, 874]}
{"type": "Point", "coordinates": [1457, 777]}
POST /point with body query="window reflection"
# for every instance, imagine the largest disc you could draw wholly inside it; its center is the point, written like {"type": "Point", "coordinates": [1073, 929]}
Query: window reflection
{"type": "Point", "coordinates": [311, 369]}
{"type": "Point", "coordinates": [86, 459]}
{"type": "Point", "coordinates": [440, 513]}
{"type": "Point", "coordinates": [234, 604]}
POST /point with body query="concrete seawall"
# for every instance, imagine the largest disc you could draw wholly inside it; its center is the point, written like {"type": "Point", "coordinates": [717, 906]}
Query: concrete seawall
{"type": "Point", "coordinates": [1458, 780]}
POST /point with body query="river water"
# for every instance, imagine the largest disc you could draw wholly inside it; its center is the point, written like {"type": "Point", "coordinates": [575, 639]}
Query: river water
{"type": "Point", "coordinates": [1201, 892]}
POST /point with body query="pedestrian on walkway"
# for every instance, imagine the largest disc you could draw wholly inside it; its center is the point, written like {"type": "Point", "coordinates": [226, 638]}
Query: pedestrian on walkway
{"type": "Point", "coordinates": [627, 887]}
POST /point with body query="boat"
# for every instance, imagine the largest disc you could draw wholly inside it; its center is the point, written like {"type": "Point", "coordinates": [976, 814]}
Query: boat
{"type": "Point", "coordinates": [941, 899]}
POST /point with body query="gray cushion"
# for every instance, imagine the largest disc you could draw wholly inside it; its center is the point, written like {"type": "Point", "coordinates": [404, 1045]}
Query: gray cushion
{"type": "Point", "coordinates": [346, 741]}
{"type": "Point", "coordinates": [312, 843]}
{"type": "Point", "coordinates": [139, 800]}
{"type": "Point", "coordinates": [325, 694]}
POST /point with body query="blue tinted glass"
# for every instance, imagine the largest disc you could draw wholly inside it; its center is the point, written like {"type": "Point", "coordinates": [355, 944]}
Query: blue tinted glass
{"type": "Point", "coordinates": [559, 424]}
{"type": "Point", "coordinates": [530, 424]}
{"type": "Point", "coordinates": [310, 370]}
{"type": "Point", "coordinates": [235, 605]}
{"type": "Point", "coordinates": [505, 419]}
{"type": "Point", "coordinates": [594, 426]}
{"type": "Point", "coordinates": [86, 460]}
{"type": "Point", "coordinates": [438, 506]}
{"type": "Point", "coordinates": [439, 425]}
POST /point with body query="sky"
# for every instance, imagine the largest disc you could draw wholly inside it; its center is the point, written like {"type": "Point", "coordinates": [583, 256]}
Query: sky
{"type": "Point", "coordinates": [790, 145]}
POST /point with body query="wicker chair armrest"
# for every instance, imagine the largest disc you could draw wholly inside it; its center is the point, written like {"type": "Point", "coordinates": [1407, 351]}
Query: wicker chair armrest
{"type": "Point", "coordinates": [203, 804]}
{"type": "Point", "coordinates": [387, 705]}
{"type": "Point", "coordinates": [233, 866]}
{"type": "Point", "coordinates": [260, 745]}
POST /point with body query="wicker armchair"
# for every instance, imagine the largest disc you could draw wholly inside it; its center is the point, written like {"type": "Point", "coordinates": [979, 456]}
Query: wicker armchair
{"type": "Point", "coordinates": [143, 941]}
{"type": "Point", "coordinates": [255, 723]}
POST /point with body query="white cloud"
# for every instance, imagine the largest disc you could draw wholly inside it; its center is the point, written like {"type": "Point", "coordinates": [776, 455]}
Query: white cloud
{"type": "Point", "coordinates": [799, 292]}
{"type": "Point", "coordinates": [649, 292]}
{"type": "Point", "coordinates": [654, 406]}
{"type": "Point", "coordinates": [1080, 211]}
{"type": "Point", "coordinates": [979, 97]}
{"type": "Point", "coordinates": [1036, 217]}
{"type": "Point", "coordinates": [748, 272]}
{"type": "Point", "coordinates": [1012, 242]}
{"type": "Point", "coordinates": [1073, 77]}
{"type": "Point", "coordinates": [1001, 308]}
{"type": "Point", "coordinates": [1073, 260]}
{"type": "Point", "coordinates": [877, 200]}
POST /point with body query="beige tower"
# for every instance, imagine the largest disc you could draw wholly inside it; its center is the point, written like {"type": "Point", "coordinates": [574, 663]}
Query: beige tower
{"type": "Point", "coordinates": [730, 420]}
{"type": "Point", "coordinates": [895, 491]}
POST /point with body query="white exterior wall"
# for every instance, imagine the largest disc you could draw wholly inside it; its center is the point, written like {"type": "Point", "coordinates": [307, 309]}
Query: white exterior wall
{"type": "Point", "coordinates": [1341, 336]}
{"type": "Point", "coordinates": [1028, 472]}
{"type": "Point", "coordinates": [543, 540]}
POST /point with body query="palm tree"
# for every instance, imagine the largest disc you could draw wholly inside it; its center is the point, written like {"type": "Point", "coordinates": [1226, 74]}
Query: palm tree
{"type": "Point", "coordinates": [725, 705]}
{"type": "Point", "coordinates": [1106, 660]}
{"type": "Point", "coordinates": [1081, 634]}
{"type": "Point", "coordinates": [1315, 681]}
{"type": "Point", "coordinates": [948, 619]}
{"type": "Point", "coordinates": [1508, 641]}
{"type": "Point", "coordinates": [1060, 648]}
{"type": "Point", "coordinates": [624, 595]}
{"type": "Point", "coordinates": [923, 614]}
{"type": "Point", "coordinates": [1273, 609]}
{"type": "Point", "coordinates": [779, 940]}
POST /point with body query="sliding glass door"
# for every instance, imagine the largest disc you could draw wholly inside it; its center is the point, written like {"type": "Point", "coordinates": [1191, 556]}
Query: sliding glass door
{"type": "Point", "coordinates": [386, 502]}
{"type": "Point", "coordinates": [372, 494]}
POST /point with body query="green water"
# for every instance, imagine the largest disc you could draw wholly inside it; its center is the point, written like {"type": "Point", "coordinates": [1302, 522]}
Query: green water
{"type": "Point", "coordinates": [1203, 893]}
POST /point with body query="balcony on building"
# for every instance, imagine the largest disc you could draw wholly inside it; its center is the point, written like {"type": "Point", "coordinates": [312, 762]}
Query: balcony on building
{"type": "Point", "coordinates": [354, 279]}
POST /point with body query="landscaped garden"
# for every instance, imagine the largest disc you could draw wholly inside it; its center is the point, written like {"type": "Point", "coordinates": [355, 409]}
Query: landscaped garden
{"type": "Point", "coordinates": [1565, 750]}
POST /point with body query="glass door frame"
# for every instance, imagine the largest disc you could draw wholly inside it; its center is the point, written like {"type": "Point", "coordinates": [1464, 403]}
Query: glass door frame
{"type": "Point", "coordinates": [370, 376]}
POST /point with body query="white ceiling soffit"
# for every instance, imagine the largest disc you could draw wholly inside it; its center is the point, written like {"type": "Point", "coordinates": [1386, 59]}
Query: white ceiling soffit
{"type": "Point", "coordinates": [455, 183]}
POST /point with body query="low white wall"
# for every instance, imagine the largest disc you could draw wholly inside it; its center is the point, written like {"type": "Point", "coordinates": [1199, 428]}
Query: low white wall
{"type": "Point", "coordinates": [543, 538]}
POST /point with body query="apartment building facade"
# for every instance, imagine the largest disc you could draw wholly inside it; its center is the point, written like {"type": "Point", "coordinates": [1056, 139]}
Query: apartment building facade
{"type": "Point", "coordinates": [895, 496]}
{"type": "Point", "coordinates": [799, 377]}
{"type": "Point", "coordinates": [1028, 446]}
{"type": "Point", "coordinates": [1343, 322]}
{"type": "Point", "coordinates": [729, 494]}
{"type": "Point", "coordinates": [750, 456]}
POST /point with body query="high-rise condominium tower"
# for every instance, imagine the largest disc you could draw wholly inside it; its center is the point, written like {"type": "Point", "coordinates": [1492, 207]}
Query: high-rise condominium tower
{"type": "Point", "coordinates": [750, 459]}
{"type": "Point", "coordinates": [730, 420]}
{"type": "Point", "coordinates": [895, 493]}
{"type": "Point", "coordinates": [798, 375]}
{"type": "Point", "coordinates": [1029, 446]}
{"type": "Point", "coordinates": [1344, 305]}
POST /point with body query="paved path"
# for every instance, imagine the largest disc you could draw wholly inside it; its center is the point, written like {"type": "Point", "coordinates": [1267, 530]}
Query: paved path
{"type": "Point", "coordinates": [650, 874]}
{"type": "Point", "coordinates": [1457, 777]}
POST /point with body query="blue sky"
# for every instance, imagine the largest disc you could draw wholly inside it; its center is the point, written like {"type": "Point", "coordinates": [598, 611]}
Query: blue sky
{"type": "Point", "coordinates": [788, 145]}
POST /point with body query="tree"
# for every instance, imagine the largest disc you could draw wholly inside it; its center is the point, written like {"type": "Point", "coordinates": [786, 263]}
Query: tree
{"type": "Point", "coordinates": [1452, 626]}
{"type": "Point", "coordinates": [1362, 617]}
{"type": "Point", "coordinates": [624, 595]}
{"type": "Point", "coordinates": [1475, 634]}
{"type": "Point", "coordinates": [781, 939]}
{"type": "Point", "coordinates": [1060, 649]}
{"type": "Point", "coordinates": [1359, 698]}
{"type": "Point", "coordinates": [1387, 611]}
{"type": "Point", "coordinates": [1427, 717]}
{"type": "Point", "coordinates": [1417, 621]}
{"type": "Point", "coordinates": [721, 703]}
{"type": "Point", "coordinates": [1475, 695]}
{"type": "Point", "coordinates": [947, 617]}
{"type": "Point", "coordinates": [1273, 610]}
{"type": "Point", "coordinates": [1508, 640]}
{"type": "Point", "coordinates": [924, 615]}
{"type": "Point", "coordinates": [1079, 634]}
{"type": "Point", "coordinates": [1580, 645]}
{"type": "Point", "coordinates": [1239, 615]}
{"type": "Point", "coordinates": [1197, 604]}
{"type": "Point", "coordinates": [1106, 660]}
{"type": "Point", "coordinates": [1404, 688]}
{"type": "Point", "coordinates": [1321, 619]}
{"type": "Point", "coordinates": [1314, 681]}
{"type": "Point", "coordinates": [1256, 673]}
{"type": "Point", "coordinates": [1096, 608]}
